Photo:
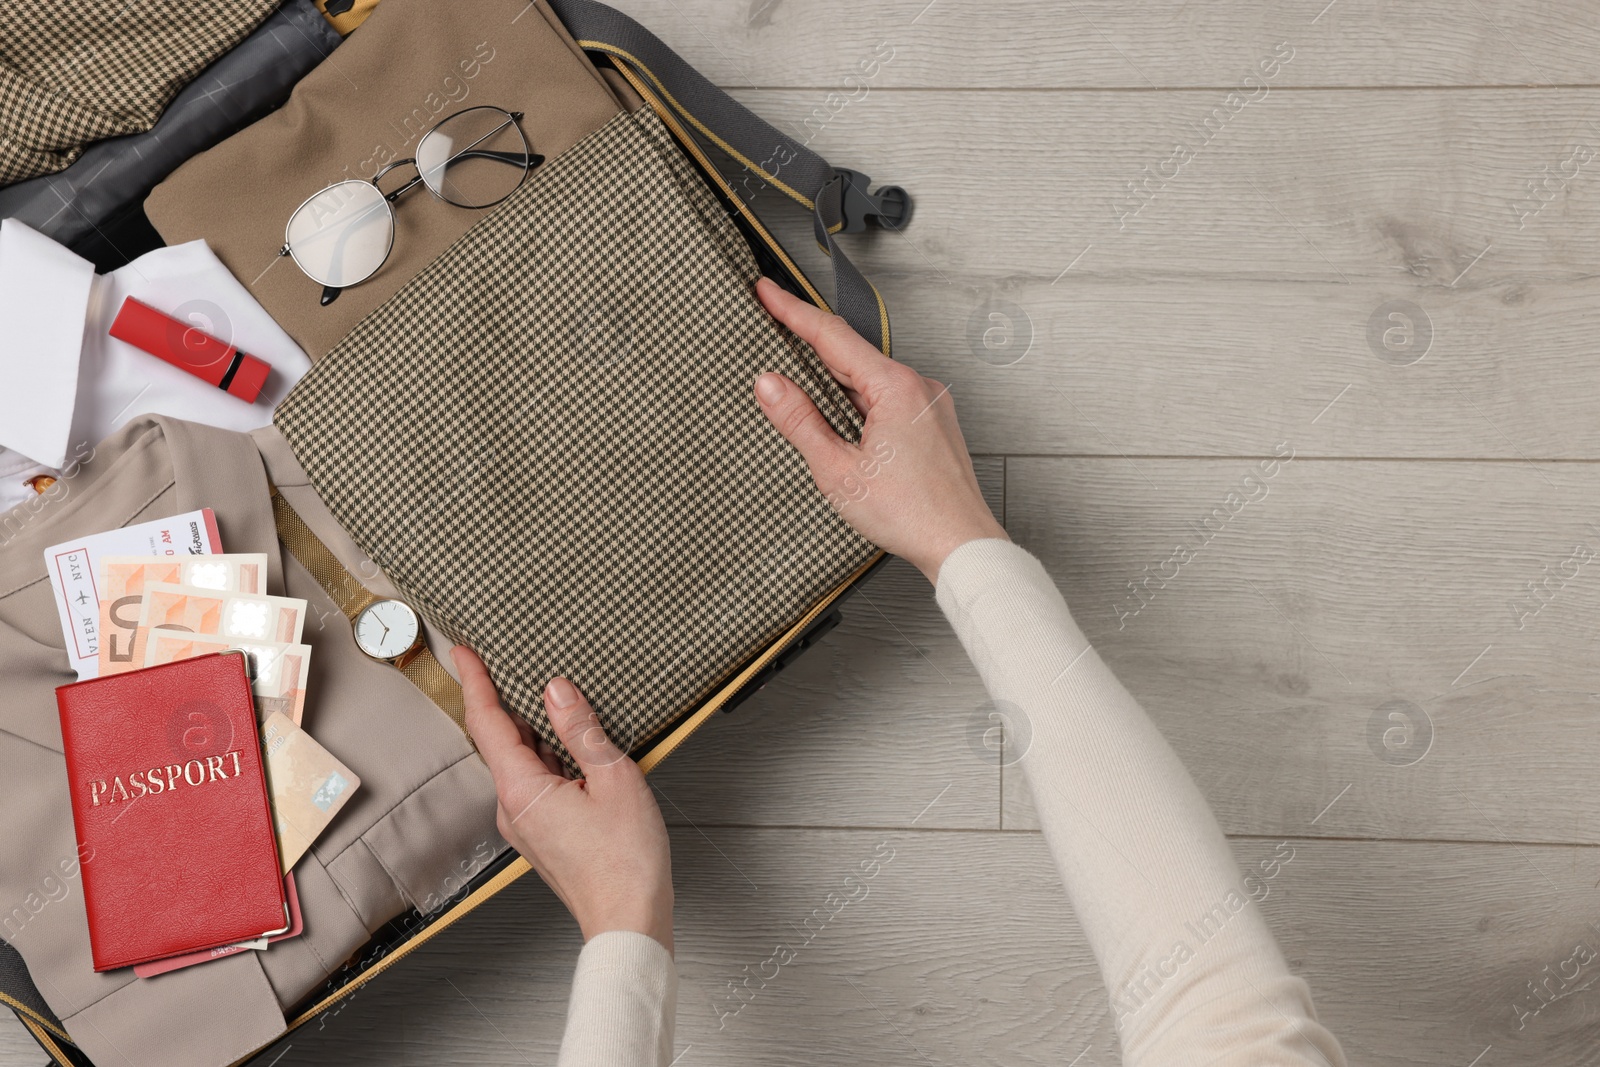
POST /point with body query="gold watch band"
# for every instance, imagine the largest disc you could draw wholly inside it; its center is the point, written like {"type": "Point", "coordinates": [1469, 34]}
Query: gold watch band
{"type": "Point", "coordinates": [422, 669]}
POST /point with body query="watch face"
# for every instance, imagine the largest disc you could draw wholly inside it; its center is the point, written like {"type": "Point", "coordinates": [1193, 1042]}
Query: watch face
{"type": "Point", "coordinates": [386, 629]}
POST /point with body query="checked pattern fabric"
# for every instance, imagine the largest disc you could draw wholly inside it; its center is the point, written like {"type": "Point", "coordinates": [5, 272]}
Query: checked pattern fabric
{"type": "Point", "coordinates": [76, 71]}
{"type": "Point", "coordinates": [548, 440]}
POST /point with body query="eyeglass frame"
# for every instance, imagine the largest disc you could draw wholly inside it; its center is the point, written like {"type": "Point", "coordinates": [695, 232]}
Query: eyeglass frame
{"type": "Point", "coordinates": [530, 159]}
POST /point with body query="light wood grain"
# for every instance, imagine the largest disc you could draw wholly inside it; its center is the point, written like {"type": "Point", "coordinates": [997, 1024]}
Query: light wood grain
{"type": "Point", "coordinates": [862, 730]}
{"type": "Point", "coordinates": [1256, 290]}
{"type": "Point", "coordinates": [1204, 367]}
{"type": "Point", "coordinates": [1346, 586]}
{"type": "Point", "coordinates": [964, 950]}
{"type": "Point", "coordinates": [1104, 44]}
{"type": "Point", "coordinates": [17, 1046]}
{"type": "Point", "coordinates": [1404, 188]}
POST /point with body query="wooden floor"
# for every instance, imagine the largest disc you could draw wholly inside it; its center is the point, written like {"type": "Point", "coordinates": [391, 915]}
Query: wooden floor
{"type": "Point", "coordinates": [1382, 258]}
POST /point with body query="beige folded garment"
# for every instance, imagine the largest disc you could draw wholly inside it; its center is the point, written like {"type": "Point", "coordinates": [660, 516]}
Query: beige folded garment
{"type": "Point", "coordinates": [413, 63]}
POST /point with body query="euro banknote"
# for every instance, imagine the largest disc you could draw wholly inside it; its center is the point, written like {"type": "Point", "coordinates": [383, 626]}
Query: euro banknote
{"type": "Point", "coordinates": [124, 580]}
{"type": "Point", "coordinates": [278, 672]}
{"type": "Point", "coordinates": [243, 616]}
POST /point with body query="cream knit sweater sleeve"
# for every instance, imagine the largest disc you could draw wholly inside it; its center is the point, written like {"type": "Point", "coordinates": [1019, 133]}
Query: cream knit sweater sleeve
{"type": "Point", "coordinates": [1194, 975]}
{"type": "Point", "coordinates": [623, 1004]}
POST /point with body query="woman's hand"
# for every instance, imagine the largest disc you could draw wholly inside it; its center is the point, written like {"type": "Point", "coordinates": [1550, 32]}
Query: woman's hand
{"type": "Point", "coordinates": [908, 486]}
{"type": "Point", "coordinates": [600, 843]}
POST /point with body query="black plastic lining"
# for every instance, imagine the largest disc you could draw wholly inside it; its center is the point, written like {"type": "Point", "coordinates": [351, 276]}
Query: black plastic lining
{"type": "Point", "coordinates": [390, 937]}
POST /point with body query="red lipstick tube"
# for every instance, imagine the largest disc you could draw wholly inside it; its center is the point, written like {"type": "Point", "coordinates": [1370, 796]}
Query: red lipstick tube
{"type": "Point", "coordinates": [182, 345]}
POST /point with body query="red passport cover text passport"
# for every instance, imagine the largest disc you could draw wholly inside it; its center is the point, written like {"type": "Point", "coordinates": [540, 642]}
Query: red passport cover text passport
{"type": "Point", "coordinates": [169, 797]}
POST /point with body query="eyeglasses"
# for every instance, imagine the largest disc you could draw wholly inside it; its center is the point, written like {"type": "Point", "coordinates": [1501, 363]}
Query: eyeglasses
{"type": "Point", "coordinates": [342, 235]}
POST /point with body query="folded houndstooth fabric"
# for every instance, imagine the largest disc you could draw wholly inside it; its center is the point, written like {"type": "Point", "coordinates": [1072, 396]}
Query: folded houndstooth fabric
{"type": "Point", "coordinates": [80, 70]}
{"type": "Point", "coordinates": [245, 83]}
{"type": "Point", "coordinates": [548, 439]}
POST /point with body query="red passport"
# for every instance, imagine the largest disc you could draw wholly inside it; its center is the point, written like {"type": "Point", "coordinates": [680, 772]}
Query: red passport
{"type": "Point", "coordinates": [170, 801]}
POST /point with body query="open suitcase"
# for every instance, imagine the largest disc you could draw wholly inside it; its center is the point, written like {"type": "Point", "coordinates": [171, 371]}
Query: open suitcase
{"type": "Point", "coordinates": [720, 137]}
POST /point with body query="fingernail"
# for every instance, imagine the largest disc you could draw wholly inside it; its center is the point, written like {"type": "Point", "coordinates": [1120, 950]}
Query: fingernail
{"type": "Point", "coordinates": [769, 387]}
{"type": "Point", "coordinates": [561, 693]}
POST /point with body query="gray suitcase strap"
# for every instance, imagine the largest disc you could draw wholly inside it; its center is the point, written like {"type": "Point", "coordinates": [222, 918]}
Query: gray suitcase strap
{"type": "Point", "coordinates": [838, 199]}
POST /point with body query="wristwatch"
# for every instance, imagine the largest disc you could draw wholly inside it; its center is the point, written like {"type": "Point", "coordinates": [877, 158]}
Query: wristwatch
{"type": "Point", "coordinates": [388, 630]}
{"type": "Point", "coordinates": [385, 629]}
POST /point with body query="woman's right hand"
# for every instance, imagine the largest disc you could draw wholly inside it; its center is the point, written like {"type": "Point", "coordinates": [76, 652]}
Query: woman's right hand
{"type": "Point", "coordinates": [908, 486]}
{"type": "Point", "coordinates": [598, 842]}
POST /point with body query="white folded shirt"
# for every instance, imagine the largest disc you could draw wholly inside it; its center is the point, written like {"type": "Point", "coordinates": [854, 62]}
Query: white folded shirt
{"type": "Point", "coordinates": [65, 383]}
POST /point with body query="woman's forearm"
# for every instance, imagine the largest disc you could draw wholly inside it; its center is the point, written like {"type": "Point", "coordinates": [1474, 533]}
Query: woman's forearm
{"type": "Point", "coordinates": [1194, 974]}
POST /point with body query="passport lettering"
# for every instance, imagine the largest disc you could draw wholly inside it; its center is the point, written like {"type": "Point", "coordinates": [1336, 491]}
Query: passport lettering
{"type": "Point", "coordinates": [164, 779]}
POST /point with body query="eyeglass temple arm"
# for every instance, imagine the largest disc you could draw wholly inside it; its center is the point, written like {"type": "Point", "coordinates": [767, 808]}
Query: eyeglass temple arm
{"type": "Point", "coordinates": [330, 293]}
{"type": "Point", "coordinates": [527, 160]}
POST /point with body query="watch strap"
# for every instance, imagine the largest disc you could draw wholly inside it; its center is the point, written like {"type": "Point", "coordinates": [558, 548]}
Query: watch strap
{"type": "Point", "coordinates": [426, 673]}
{"type": "Point", "coordinates": [423, 669]}
{"type": "Point", "coordinates": [342, 587]}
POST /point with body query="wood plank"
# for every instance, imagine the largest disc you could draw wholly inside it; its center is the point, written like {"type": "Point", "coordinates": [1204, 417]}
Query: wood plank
{"type": "Point", "coordinates": [1220, 368]}
{"type": "Point", "coordinates": [1273, 658]}
{"type": "Point", "coordinates": [1403, 187]}
{"type": "Point", "coordinates": [1103, 44]}
{"type": "Point", "coordinates": [963, 950]}
{"type": "Point", "coordinates": [862, 730]}
{"type": "Point", "coordinates": [1236, 315]}
{"type": "Point", "coordinates": [17, 1046]}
